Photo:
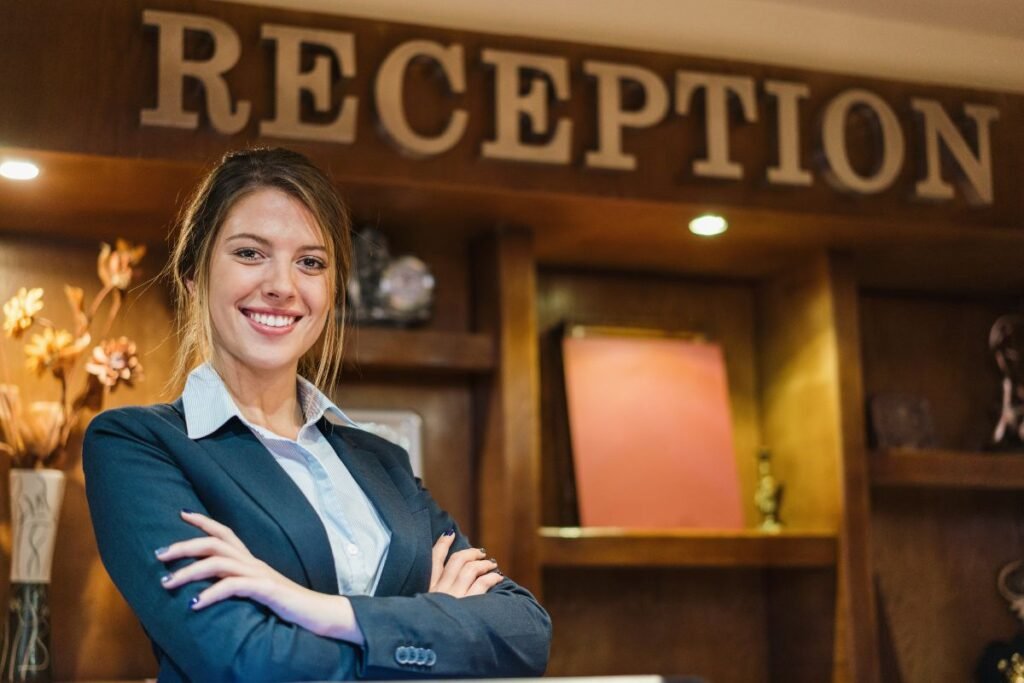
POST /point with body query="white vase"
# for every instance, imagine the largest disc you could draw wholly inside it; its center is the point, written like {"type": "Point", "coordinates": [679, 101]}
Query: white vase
{"type": "Point", "coordinates": [36, 497]}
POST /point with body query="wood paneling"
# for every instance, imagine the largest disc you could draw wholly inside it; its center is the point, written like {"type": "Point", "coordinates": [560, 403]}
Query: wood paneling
{"type": "Point", "coordinates": [857, 650]}
{"type": "Point", "coordinates": [911, 468]}
{"type": "Point", "coordinates": [706, 622]}
{"type": "Point", "coordinates": [88, 614]}
{"type": "Point", "coordinates": [797, 363]}
{"type": "Point", "coordinates": [722, 311]}
{"type": "Point", "coordinates": [941, 526]}
{"type": "Point", "coordinates": [445, 405]}
{"type": "Point", "coordinates": [799, 606]}
{"type": "Point", "coordinates": [610, 547]}
{"type": "Point", "coordinates": [937, 554]}
{"type": "Point", "coordinates": [90, 196]}
{"type": "Point", "coordinates": [115, 78]}
{"type": "Point", "coordinates": [508, 403]}
{"type": "Point", "coordinates": [375, 349]}
{"type": "Point", "coordinates": [936, 347]}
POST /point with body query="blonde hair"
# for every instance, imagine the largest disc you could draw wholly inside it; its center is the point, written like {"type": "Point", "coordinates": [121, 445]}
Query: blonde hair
{"type": "Point", "coordinates": [238, 174]}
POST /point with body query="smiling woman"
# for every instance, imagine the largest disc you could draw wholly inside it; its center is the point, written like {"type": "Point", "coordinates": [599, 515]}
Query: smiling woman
{"type": "Point", "coordinates": [256, 532]}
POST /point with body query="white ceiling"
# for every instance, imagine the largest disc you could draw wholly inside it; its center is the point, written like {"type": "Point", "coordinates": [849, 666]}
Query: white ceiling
{"type": "Point", "coordinates": [968, 43]}
{"type": "Point", "coordinates": [995, 17]}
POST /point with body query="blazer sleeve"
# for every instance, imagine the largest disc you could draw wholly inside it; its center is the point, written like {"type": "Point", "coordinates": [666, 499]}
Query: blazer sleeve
{"type": "Point", "coordinates": [135, 490]}
{"type": "Point", "coordinates": [503, 633]}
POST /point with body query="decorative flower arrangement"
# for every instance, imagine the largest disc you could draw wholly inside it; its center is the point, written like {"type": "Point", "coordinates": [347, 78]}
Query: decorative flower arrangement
{"type": "Point", "coordinates": [35, 434]}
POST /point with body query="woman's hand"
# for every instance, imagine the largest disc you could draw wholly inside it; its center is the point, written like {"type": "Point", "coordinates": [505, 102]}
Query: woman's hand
{"type": "Point", "coordinates": [467, 572]}
{"type": "Point", "coordinates": [225, 557]}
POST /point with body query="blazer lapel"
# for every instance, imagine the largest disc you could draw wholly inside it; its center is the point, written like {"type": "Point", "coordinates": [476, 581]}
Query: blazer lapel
{"type": "Point", "coordinates": [382, 492]}
{"type": "Point", "coordinates": [250, 464]}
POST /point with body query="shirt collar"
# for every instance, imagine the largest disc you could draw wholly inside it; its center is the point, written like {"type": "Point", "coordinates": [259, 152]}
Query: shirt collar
{"type": "Point", "coordinates": [208, 405]}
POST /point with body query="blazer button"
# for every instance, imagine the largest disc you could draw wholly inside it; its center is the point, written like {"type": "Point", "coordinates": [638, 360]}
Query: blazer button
{"type": "Point", "coordinates": [431, 657]}
{"type": "Point", "coordinates": [421, 657]}
{"type": "Point", "coordinates": [402, 655]}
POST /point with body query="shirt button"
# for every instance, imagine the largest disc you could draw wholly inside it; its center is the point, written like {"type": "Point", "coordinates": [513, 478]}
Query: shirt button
{"type": "Point", "coordinates": [352, 549]}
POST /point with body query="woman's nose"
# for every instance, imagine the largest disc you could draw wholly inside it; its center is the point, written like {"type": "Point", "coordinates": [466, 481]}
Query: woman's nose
{"type": "Point", "coordinates": [280, 282]}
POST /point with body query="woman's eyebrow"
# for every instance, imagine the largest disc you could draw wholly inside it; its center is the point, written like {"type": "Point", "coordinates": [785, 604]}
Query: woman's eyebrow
{"type": "Point", "coordinates": [266, 243]}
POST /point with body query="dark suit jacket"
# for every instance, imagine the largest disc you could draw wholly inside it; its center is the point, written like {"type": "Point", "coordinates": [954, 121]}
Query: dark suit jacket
{"type": "Point", "coordinates": [141, 469]}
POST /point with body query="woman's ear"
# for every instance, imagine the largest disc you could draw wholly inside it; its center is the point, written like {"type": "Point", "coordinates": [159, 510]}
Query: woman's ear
{"type": "Point", "coordinates": [190, 285]}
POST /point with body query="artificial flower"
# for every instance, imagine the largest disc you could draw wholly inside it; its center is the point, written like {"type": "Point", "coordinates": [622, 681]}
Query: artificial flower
{"type": "Point", "coordinates": [114, 362]}
{"type": "Point", "coordinates": [20, 311]}
{"type": "Point", "coordinates": [116, 266]}
{"type": "Point", "coordinates": [54, 350]}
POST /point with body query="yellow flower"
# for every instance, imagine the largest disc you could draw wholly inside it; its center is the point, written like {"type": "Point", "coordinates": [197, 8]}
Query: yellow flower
{"type": "Point", "coordinates": [20, 311]}
{"type": "Point", "coordinates": [114, 362]}
{"type": "Point", "coordinates": [115, 266]}
{"type": "Point", "coordinates": [54, 350]}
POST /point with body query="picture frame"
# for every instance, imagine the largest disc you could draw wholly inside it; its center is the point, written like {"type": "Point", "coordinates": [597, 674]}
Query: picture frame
{"type": "Point", "coordinates": [403, 428]}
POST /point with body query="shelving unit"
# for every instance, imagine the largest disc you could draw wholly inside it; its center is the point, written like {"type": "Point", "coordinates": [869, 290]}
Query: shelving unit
{"type": "Point", "coordinates": [611, 547]}
{"type": "Point", "coordinates": [371, 348]}
{"type": "Point", "coordinates": [933, 468]}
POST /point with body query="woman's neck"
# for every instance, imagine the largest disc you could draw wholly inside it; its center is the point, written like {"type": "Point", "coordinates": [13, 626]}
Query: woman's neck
{"type": "Point", "coordinates": [267, 399]}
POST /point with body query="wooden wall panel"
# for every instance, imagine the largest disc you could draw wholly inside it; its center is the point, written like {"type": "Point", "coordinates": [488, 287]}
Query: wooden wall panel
{"type": "Point", "coordinates": [937, 347]}
{"type": "Point", "coordinates": [449, 470]}
{"type": "Point", "coordinates": [723, 311]}
{"type": "Point", "coordinates": [115, 79]}
{"type": "Point", "coordinates": [799, 608]}
{"type": "Point", "coordinates": [937, 554]}
{"type": "Point", "coordinates": [710, 623]}
{"type": "Point", "coordinates": [88, 614]}
{"type": "Point", "coordinates": [799, 401]}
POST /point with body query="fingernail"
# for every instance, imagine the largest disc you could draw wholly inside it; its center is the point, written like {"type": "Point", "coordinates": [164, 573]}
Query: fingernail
{"type": "Point", "coordinates": [499, 572]}
{"type": "Point", "coordinates": [187, 511]}
{"type": "Point", "coordinates": [193, 602]}
{"type": "Point", "coordinates": [165, 578]}
{"type": "Point", "coordinates": [450, 531]}
{"type": "Point", "coordinates": [160, 551]}
{"type": "Point", "coordinates": [483, 550]}
{"type": "Point", "coordinates": [494, 560]}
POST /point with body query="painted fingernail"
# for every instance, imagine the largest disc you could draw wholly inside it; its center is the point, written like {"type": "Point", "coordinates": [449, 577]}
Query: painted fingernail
{"type": "Point", "coordinates": [450, 531]}
{"type": "Point", "coordinates": [483, 550]}
{"type": "Point", "coordinates": [499, 572]}
{"type": "Point", "coordinates": [193, 602]}
{"type": "Point", "coordinates": [160, 551]}
{"type": "Point", "coordinates": [493, 560]}
{"type": "Point", "coordinates": [187, 511]}
{"type": "Point", "coordinates": [165, 578]}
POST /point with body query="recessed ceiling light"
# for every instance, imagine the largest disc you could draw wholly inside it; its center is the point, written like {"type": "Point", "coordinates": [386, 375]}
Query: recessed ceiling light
{"type": "Point", "coordinates": [708, 225]}
{"type": "Point", "coordinates": [18, 170]}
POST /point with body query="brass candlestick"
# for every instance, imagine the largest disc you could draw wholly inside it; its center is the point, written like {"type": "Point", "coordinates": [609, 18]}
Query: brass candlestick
{"type": "Point", "coordinates": [768, 497]}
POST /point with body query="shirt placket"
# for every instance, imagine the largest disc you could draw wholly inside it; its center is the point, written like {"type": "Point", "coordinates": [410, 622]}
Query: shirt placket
{"type": "Point", "coordinates": [355, 579]}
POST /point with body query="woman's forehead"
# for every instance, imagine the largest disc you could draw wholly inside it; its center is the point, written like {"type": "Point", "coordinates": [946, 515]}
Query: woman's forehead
{"type": "Point", "coordinates": [273, 216]}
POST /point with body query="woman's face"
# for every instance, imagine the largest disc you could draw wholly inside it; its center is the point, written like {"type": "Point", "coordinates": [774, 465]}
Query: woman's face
{"type": "Point", "coordinates": [268, 284]}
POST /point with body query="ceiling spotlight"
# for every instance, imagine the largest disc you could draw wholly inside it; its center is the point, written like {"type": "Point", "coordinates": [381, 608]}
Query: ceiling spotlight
{"type": "Point", "coordinates": [18, 170]}
{"type": "Point", "coordinates": [708, 225]}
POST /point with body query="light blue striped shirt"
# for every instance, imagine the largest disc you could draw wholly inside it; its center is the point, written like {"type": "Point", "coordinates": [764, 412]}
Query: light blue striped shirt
{"type": "Point", "coordinates": [359, 538]}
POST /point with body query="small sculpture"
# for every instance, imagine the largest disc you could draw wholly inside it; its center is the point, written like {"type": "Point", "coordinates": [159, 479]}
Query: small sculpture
{"type": "Point", "coordinates": [768, 497]}
{"type": "Point", "coordinates": [1003, 662]}
{"type": "Point", "coordinates": [1007, 343]}
{"type": "Point", "coordinates": [383, 290]}
{"type": "Point", "coordinates": [1013, 668]}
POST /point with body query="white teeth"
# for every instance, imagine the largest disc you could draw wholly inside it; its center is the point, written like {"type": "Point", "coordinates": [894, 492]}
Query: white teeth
{"type": "Point", "coordinates": [272, 320]}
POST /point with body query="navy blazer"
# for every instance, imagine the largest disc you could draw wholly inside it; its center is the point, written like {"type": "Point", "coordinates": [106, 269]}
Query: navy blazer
{"type": "Point", "coordinates": [141, 468]}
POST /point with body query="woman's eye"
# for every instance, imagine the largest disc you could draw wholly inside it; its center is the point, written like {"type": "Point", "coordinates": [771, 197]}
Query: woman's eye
{"type": "Point", "coordinates": [247, 254]}
{"type": "Point", "coordinates": [312, 263]}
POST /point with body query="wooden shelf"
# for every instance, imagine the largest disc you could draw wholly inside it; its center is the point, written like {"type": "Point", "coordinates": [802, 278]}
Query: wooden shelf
{"type": "Point", "coordinates": [613, 547]}
{"type": "Point", "coordinates": [906, 467]}
{"type": "Point", "coordinates": [371, 348]}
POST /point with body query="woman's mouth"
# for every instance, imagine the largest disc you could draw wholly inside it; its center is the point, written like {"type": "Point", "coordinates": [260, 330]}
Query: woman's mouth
{"type": "Point", "coordinates": [267, 323]}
